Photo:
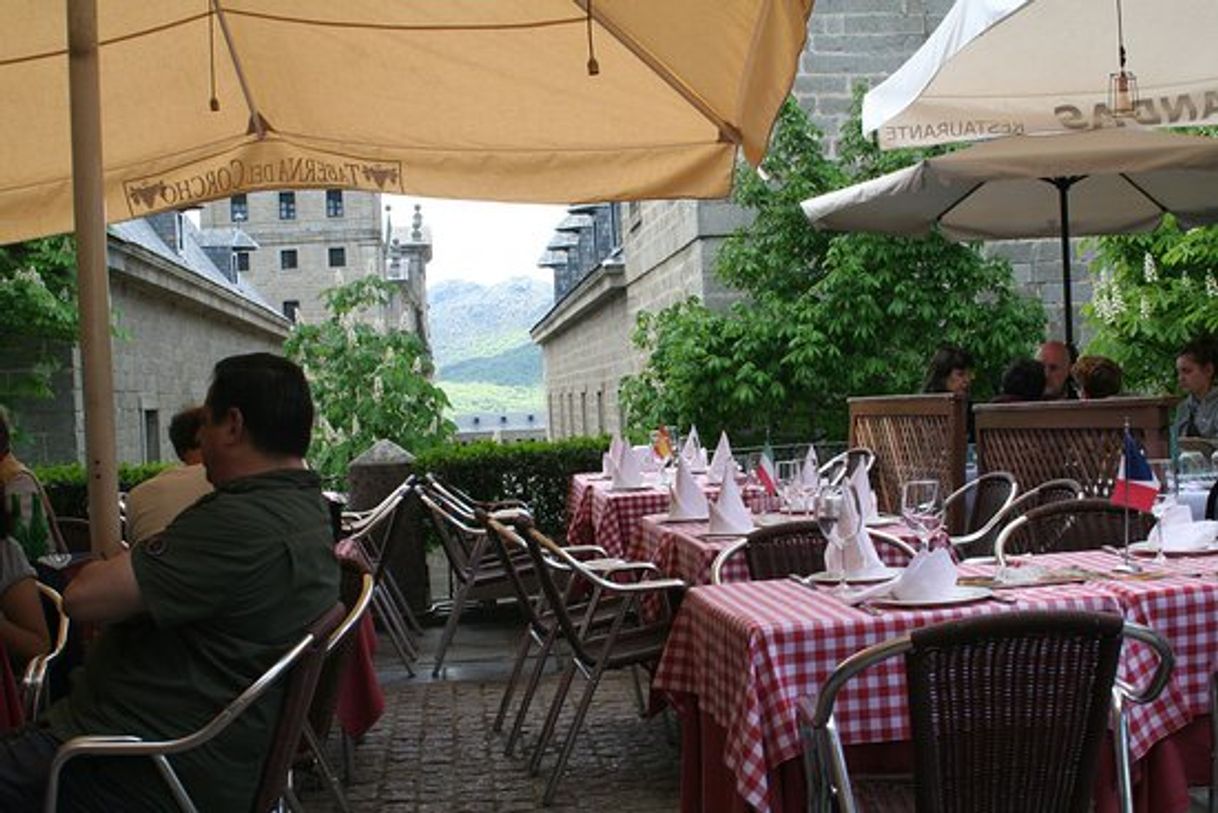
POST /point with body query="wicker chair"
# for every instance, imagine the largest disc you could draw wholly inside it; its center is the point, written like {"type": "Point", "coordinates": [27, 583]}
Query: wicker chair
{"type": "Point", "coordinates": [778, 551]}
{"type": "Point", "coordinates": [629, 641]}
{"type": "Point", "coordinates": [1068, 525]}
{"type": "Point", "coordinates": [841, 466]}
{"type": "Point", "coordinates": [299, 668]}
{"type": "Point", "coordinates": [992, 494]}
{"type": "Point", "coordinates": [1008, 712]}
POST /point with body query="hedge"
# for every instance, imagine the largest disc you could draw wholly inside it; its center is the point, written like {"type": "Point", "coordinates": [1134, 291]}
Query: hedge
{"type": "Point", "coordinates": [65, 484]}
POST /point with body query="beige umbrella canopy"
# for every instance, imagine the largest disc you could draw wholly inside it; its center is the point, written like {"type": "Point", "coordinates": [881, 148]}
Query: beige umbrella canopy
{"type": "Point", "coordinates": [1095, 182]}
{"type": "Point", "coordinates": [171, 103]}
{"type": "Point", "coordinates": [1002, 67]}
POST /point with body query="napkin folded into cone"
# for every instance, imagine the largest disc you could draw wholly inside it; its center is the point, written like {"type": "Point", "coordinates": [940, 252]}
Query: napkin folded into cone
{"type": "Point", "coordinates": [627, 472]}
{"type": "Point", "coordinates": [929, 576]}
{"type": "Point", "coordinates": [849, 552]}
{"type": "Point", "coordinates": [685, 497]}
{"type": "Point", "coordinates": [809, 475]}
{"type": "Point", "coordinates": [722, 465]}
{"type": "Point", "coordinates": [860, 481]}
{"type": "Point", "coordinates": [729, 514]}
{"type": "Point", "coordinates": [612, 457]}
{"type": "Point", "coordinates": [692, 452]}
{"type": "Point", "coordinates": [1176, 531]}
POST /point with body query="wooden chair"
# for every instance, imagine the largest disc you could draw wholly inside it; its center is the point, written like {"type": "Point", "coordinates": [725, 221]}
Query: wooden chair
{"type": "Point", "coordinates": [1008, 712]}
{"type": "Point", "coordinates": [1086, 524]}
{"type": "Point", "coordinates": [300, 667]}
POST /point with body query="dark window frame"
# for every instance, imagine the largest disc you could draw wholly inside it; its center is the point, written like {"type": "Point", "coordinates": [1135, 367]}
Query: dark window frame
{"type": "Point", "coordinates": [284, 255]}
{"type": "Point", "coordinates": [334, 203]}
{"type": "Point", "coordinates": [287, 205]}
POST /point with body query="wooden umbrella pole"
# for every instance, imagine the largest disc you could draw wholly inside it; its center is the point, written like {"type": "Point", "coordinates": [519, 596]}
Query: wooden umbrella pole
{"type": "Point", "coordinates": [89, 209]}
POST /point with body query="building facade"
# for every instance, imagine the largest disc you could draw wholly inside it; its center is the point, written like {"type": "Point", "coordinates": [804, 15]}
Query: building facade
{"type": "Point", "coordinates": [668, 248]}
{"type": "Point", "coordinates": [176, 313]}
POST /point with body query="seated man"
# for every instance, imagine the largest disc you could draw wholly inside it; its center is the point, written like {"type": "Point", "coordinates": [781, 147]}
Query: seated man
{"type": "Point", "coordinates": [154, 503]}
{"type": "Point", "coordinates": [1057, 357]}
{"type": "Point", "coordinates": [31, 520]}
{"type": "Point", "coordinates": [195, 615]}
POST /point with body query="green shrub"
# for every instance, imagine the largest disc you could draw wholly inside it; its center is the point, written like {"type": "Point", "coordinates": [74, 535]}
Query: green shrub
{"type": "Point", "coordinates": [66, 488]}
{"type": "Point", "coordinates": [538, 472]}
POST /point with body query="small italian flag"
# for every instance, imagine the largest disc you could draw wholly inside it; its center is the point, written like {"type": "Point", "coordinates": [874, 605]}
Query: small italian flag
{"type": "Point", "coordinates": [765, 474]}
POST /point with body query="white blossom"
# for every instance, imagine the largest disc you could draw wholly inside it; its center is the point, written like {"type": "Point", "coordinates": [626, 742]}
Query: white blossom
{"type": "Point", "coordinates": [1149, 269]}
{"type": "Point", "coordinates": [1144, 310]}
{"type": "Point", "coordinates": [1211, 285]}
{"type": "Point", "coordinates": [339, 277]}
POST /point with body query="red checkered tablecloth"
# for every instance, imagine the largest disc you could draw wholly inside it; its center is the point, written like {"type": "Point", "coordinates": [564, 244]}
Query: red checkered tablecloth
{"type": "Point", "coordinates": [748, 651]}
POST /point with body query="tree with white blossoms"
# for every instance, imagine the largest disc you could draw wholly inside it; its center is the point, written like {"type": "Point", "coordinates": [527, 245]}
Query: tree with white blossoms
{"type": "Point", "coordinates": [1153, 293]}
{"type": "Point", "coordinates": [37, 313]}
{"type": "Point", "coordinates": [368, 383]}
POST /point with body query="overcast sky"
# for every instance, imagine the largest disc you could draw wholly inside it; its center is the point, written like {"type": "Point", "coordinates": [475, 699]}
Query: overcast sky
{"type": "Point", "coordinates": [479, 241]}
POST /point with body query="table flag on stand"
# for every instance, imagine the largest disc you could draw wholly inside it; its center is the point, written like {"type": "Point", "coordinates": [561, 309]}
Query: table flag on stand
{"type": "Point", "coordinates": [1136, 485]}
{"type": "Point", "coordinates": [766, 476]}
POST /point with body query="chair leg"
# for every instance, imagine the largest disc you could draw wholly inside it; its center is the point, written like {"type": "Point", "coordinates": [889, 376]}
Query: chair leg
{"type": "Point", "coordinates": [569, 744]}
{"type": "Point", "coordinates": [450, 627]}
{"type": "Point", "coordinates": [547, 730]}
{"type": "Point", "coordinates": [639, 698]}
{"type": "Point", "coordinates": [399, 599]}
{"type": "Point", "coordinates": [396, 625]}
{"type": "Point", "coordinates": [379, 609]}
{"type": "Point", "coordinates": [323, 766]}
{"type": "Point", "coordinates": [522, 654]}
{"type": "Point", "coordinates": [530, 692]}
{"type": "Point", "coordinates": [348, 756]}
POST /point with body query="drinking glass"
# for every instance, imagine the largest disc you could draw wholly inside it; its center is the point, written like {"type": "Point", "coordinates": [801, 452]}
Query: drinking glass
{"type": "Point", "coordinates": [788, 485]}
{"type": "Point", "coordinates": [922, 508]}
{"type": "Point", "coordinates": [1192, 466]}
{"type": "Point", "coordinates": [830, 504]}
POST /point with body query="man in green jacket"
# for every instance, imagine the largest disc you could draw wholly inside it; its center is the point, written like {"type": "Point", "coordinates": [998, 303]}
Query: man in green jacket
{"type": "Point", "coordinates": [197, 613]}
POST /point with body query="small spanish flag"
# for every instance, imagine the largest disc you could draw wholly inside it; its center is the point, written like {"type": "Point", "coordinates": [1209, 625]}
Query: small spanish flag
{"type": "Point", "coordinates": [662, 447]}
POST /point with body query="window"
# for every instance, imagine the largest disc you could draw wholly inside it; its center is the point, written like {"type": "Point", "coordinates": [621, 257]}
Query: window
{"type": "Point", "coordinates": [334, 203]}
{"type": "Point", "coordinates": [238, 208]}
{"type": "Point", "coordinates": [287, 205]}
{"type": "Point", "coordinates": [287, 259]}
{"type": "Point", "coordinates": [152, 436]}
{"type": "Point", "coordinates": [241, 260]}
{"type": "Point", "coordinates": [338, 257]}
{"type": "Point", "coordinates": [291, 307]}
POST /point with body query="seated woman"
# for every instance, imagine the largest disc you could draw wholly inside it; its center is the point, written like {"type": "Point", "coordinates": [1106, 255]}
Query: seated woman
{"type": "Point", "coordinates": [1023, 380]}
{"type": "Point", "coordinates": [31, 521]}
{"type": "Point", "coordinates": [1097, 377]}
{"type": "Point", "coordinates": [1197, 415]}
{"type": "Point", "coordinates": [951, 370]}
{"type": "Point", "coordinates": [23, 627]}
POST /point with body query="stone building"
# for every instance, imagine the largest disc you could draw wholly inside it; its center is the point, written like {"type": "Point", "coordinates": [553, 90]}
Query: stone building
{"type": "Point", "coordinates": [668, 248]}
{"type": "Point", "coordinates": [308, 240]}
{"type": "Point", "coordinates": [176, 313]}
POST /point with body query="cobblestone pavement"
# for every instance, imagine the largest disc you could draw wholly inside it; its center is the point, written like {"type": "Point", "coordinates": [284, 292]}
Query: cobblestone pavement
{"type": "Point", "coordinates": [434, 749]}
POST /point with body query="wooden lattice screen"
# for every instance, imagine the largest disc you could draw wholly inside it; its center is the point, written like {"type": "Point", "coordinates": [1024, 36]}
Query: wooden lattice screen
{"type": "Point", "coordinates": [912, 436]}
{"type": "Point", "coordinates": [1076, 439]}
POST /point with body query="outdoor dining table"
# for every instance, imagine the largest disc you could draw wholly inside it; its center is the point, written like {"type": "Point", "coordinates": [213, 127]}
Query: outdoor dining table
{"type": "Point", "coordinates": [741, 655]}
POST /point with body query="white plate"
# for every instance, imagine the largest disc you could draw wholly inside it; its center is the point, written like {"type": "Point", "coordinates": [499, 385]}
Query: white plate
{"type": "Point", "coordinates": [676, 520]}
{"type": "Point", "coordinates": [1146, 548]}
{"type": "Point", "coordinates": [643, 487]}
{"type": "Point", "coordinates": [833, 577]}
{"type": "Point", "coordinates": [958, 595]}
{"type": "Point", "coordinates": [883, 519]}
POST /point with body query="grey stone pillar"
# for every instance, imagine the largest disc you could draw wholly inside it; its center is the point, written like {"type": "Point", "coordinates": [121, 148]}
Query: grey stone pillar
{"type": "Point", "coordinates": [370, 478]}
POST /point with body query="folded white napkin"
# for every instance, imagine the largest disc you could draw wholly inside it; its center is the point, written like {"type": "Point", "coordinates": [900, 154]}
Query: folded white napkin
{"type": "Point", "coordinates": [627, 472]}
{"type": "Point", "coordinates": [729, 515]}
{"type": "Point", "coordinates": [857, 555]}
{"type": "Point", "coordinates": [616, 444]}
{"type": "Point", "coordinates": [722, 465]}
{"type": "Point", "coordinates": [685, 497]}
{"type": "Point", "coordinates": [607, 464]}
{"type": "Point", "coordinates": [647, 460]}
{"type": "Point", "coordinates": [809, 475]}
{"type": "Point", "coordinates": [929, 575]}
{"type": "Point", "coordinates": [861, 484]}
{"type": "Point", "coordinates": [1175, 530]}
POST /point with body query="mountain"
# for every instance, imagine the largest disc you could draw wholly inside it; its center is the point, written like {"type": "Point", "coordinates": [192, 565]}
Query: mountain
{"type": "Point", "coordinates": [480, 340]}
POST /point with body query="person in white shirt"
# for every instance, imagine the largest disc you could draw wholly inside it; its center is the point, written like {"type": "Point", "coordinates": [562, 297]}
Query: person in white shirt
{"type": "Point", "coordinates": [156, 502]}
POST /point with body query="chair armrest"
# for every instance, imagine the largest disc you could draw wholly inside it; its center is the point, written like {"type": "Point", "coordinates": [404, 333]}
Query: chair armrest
{"type": "Point", "coordinates": [1162, 674]}
{"type": "Point", "coordinates": [596, 550]}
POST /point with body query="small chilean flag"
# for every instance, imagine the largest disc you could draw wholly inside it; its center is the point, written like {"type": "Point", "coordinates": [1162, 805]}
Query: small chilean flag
{"type": "Point", "coordinates": [765, 474]}
{"type": "Point", "coordinates": [1135, 486]}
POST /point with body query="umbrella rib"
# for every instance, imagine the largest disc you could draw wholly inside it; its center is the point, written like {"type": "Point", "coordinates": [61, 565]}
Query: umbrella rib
{"type": "Point", "coordinates": [727, 131]}
{"type": "Point", "coordinates": [959, 200]}
{"type": "Point", "coordinates": [258, 124]}
{"type": "Point", "coordinates": [1144, 193]}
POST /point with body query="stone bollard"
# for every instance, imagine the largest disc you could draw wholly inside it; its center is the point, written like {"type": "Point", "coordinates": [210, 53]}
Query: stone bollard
{"type": "Point", "coordinates": [370, 478]}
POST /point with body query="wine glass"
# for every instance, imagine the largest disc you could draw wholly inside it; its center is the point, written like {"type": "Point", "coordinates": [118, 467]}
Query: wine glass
{"type": "Point", "coordinates": [831, 504]}
{"type": "Point", "coordinates": [922, 508]}
{"type": "Point", "coordinates": [788, 484]}
{"type": "Point", "coordinates": [1192, 466]}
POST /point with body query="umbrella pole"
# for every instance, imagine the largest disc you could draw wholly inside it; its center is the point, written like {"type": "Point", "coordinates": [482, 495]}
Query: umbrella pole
{"type": "Point", "coordinates": [1063, 197]}
{"type": "Point", "coordinates": [88, 205]}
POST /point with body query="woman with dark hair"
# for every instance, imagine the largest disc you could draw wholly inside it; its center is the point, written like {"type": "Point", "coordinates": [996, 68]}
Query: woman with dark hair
{"type": "Point", "coordinates": [1097, 377]}
{"type": "Point", "coordinates": [23, 627]}
{"type": "Point", "coordinates": [1197, 415]}
{"type": "Point", "coordinates": [951, 370]}
{"type": "Point", "coordinates": [1023, 380]}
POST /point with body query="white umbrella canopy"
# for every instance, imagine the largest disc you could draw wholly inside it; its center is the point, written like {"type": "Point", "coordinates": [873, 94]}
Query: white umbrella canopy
{"type": "Point", "coordinates": [462, 98]}
{"type": "Point", "coordinates": [1003, 67]}
{"type": "Point", "coordinates": [138, 107]}
{"type": "Point", "coordinates": [1094, 182]}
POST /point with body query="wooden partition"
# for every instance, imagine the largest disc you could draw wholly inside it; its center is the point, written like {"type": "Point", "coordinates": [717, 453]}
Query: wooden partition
{"type": "Point", "coordinates": [912, 436]}
{"type": "Point", "coordinates": [1081, 440]}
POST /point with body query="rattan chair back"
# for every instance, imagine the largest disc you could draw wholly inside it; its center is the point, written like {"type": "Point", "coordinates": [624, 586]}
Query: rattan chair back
{"type": "Point", "coordinates": [1070, 525]}
{"type": "Point", "coordinates": [777, 551]}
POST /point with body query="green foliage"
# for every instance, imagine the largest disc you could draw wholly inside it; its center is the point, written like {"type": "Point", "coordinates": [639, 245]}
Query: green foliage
{"type": "Point", "coordinates": [827, 315]}
{"type": "Point", "coordinates": [538, 472]}
{"type": "Point", "coordinates": [367, 383]}
{"type": "Point", "coordinates": [67, 485]}
{"type": "Point", "coordinates": [37, 309]}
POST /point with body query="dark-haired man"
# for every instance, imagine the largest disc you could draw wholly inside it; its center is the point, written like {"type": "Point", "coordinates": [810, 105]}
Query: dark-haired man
{"type": "Point", "coordinates": [196, 614]}
{"type": "Point", "coordinates": [154, 503]}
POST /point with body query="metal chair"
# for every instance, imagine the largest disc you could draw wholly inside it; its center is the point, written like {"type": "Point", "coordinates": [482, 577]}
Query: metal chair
{"type": "Point", "coordinates": [628, 641]}
{"type": "Point", "coordinates": [1068, 525]}
{"type": "Point", "coordinates": [1008, 712]}
{"type": "Point", "coordinates": [992, 494]}
{"type": "Point", "coordinates": [842, 466]}
{"type": "Point", "coordinates": [34, 698]}
{"type": "Point", "coordinates": [355, 592]}
{"type": "Point", "coordinates": [798, 548]}
{"type": "Point", "coordinates": [299, 667]}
